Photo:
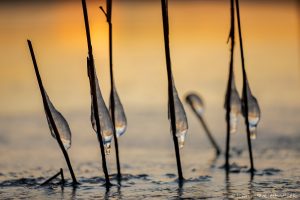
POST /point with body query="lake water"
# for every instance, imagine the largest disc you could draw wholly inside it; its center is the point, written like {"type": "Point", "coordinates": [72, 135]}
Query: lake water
{"type": "Point", "coordinates": [200, 58]}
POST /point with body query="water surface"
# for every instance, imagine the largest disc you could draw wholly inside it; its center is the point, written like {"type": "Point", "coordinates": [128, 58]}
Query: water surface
{"type": "Point", "coordinates": [200, 58]}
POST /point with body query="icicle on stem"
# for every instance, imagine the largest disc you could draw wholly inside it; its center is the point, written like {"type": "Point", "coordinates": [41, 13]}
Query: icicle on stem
{"type": "Point", "coordinates": [170, 87]}
{"type": "Point", "coordinates": [93, 90]}
{"type": "Point", "coordinates": [228, 93]}
{"type": "Point", "coordinates": [108, 14]}
{"type": "Point", "coordinates": [49, 114]}
{"type": "Point", "coordinates": [245, 89]}
{"type": "Point", "coordinates": [197, 106]}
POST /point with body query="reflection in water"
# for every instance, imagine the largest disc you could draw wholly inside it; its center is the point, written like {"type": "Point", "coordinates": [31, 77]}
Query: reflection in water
{"type": "Point", "coordinates": [180, 189]}
{"type": "Point", "coordinates": [251, 188]}
{"type": "Point", "coordinates": [228, 193]}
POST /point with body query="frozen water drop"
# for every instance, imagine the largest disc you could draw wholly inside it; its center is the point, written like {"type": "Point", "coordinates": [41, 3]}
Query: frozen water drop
{"type": "Point", "coordinates": [253, 112]}
{"type": "Point", "coordinates": [181, 139]}
{"type": "Point", "coordinates": [107, 148]}
{"type": "Point", "coordinates": [106, 126]}
{"type": "Point", "coordinates": [235, 106]}
{"type": "Point", "coordinates": [60, 123]}
{"type": "Point", "coordinates": [120, 118]}
{"type": "Point", "coordinates": [196, 103]}
{"type": "Point", "coordinates": [180, 116]}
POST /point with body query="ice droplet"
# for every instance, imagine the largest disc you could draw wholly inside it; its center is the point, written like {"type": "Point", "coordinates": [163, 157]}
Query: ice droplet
{"type": "Point", "coordinates": [61, 125]}
{"type": "Point", "coordinates": [235, 106]}
{"type": "Point", "coordinates": [196, 103]}
{"type": "Point", "coordinates": [106, 126]}
{"type": "Point", "coordinates": [120, 118]}
{"type": "Point", "coordinates": [180, 116]}
{"type": "Point", "coordinates": [107, 148]}
{"type": "Point", "coordinates": [253, 112]}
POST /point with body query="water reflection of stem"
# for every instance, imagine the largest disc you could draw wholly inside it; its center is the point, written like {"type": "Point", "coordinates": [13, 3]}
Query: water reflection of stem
{"type": "Point", "coordinates": [251, 194]}
{"type": "Point", "coordinates": [245, 89]}
{"type": "Point", "coordinates": [228, 186]}
{"type": "Point", "coordinates": [91, 66]}
{"type": "Point", "coordinates": [164, 5]}
{"type": "Point", "coordinates": [180, 190]}
{"type": "Point", "coordinates": [49, 114]}
{"type": "Point", "coordinates": [112, 86]}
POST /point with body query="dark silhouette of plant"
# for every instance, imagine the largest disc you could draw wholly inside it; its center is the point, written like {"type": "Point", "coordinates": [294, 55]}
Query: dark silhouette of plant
{"type": "Point", "coordinates": [176, 112]}
{"type": "Point", "coordinates": [58, 125]}
{"type": "Point", "coordinates": [232, 99]}
{"type": "Point", "coordinates": [251, 110]}
{"type": "Point", "coordinates": [96, 98]}
{"type": "Point", "coordinates": [116, 108]}
{"type": "Point", "coordinates": [197, 106]}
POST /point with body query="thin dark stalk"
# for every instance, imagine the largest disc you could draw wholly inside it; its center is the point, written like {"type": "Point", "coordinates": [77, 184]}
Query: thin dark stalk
{"type": "Point", "coordinates": [62, 176]}
{"type": "Point", "coordinates": [228, 94]}
{"type": "Point", "coordinates": [91, 66]}
{"type": "Point", "coordinates": [49, 114]}
{"type": "Point", "coordinates": [108, 14]}
{"type": "Point", "coordinates": [209, 135]}
{"type": "Point", "coordinates": [244, 88]}
{"type": "Point", "coordinates": [170, 86]}
{"type": "Point", "coordinates": [52, 178]}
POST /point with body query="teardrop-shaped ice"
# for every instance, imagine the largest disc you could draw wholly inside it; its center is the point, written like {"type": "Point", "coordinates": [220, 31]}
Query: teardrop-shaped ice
{"type": "Point", "coordinates": [235, 106]}
{"type": "Point", "coordinates": [120, 118]}
{"type": "Point", "coordinates": [253, 112]}
{"type": "Point", "coordinates": [106, 125]}
{"type": "Point", "coordinates": [60, 123]}
{"type": "Point", "coordinates": [180, 116]}
{"type": "Point", "coordinates": [196, 103]}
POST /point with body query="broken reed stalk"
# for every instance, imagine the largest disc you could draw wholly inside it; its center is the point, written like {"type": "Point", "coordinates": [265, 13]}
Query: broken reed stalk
{"type": "Point", "coordinates": [209, 135]}
{"type": "Point", "coordinates": [112, 87]}
{"type": "Point", "coordinates": [91, 66]}
{"type": "Point", "coordinates": [228, 93]}
{"type": "Point", "coordinates": [49, 115]}
{"type": "Point", "coordinates": [55, 176]}
{"type": "Point", "coordinates": [244, 88]}
{"type": "Point", "coordinates": [164, 6]}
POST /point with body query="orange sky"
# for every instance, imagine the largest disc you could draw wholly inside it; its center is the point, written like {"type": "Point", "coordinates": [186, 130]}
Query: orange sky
{"type": "Point", "coordinates": [198, 49]}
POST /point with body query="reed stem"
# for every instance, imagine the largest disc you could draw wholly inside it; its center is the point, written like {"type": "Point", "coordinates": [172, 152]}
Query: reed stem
{"type": "Point", "coordinates": [244, 88]}
{"type": "Point", "coordinates": [164, 4]}
{"type": "Point", "coordinates": [228, 94]}
{"type": "Point", "coordinates": [209, 135]}
{"type": "Point", "coordinates": [49, 114]}
{"type": "Point", "coordinates": [53, 177]}
{"type": "Point", "coordinates": [91, 66]}
{"type": "Point", "coordinates": [108, 15]}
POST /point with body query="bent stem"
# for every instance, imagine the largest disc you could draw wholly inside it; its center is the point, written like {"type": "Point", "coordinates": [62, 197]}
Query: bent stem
{"type": "Point", "coordinates": [245, 88]}
{"type": "Point", "coordinates": [228, 93]}
{"type": "Point", "coordinates": [49, 114]}
{"type": "Point", "coordinates": [55, 176]}
{"type": "Point", "coordinates": [209, 135]}
{"type": "Point", "coordinates": [112, 86]}
{"type": "Point", "coordinates": [170, 86]}
{"type": "Point", "coordinates": [91, 68]}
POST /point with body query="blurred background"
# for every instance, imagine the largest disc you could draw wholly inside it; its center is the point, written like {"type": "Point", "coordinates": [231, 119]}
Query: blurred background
{"type": "Point", "coordinates": [200, 59]}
